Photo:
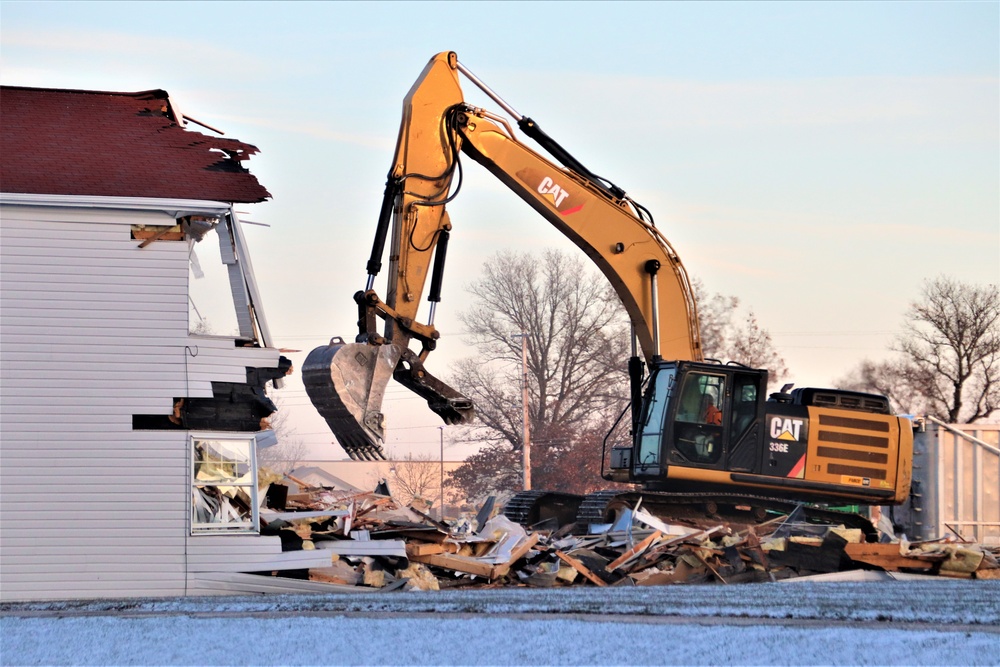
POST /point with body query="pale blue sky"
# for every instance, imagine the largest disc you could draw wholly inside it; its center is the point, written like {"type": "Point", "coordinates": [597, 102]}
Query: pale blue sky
{"type": "Point", "coordinates": [818, 160]}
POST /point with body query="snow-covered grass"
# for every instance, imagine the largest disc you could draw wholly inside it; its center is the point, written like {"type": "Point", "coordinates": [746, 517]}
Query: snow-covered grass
{"type": "Point", "coordinates": [340, 640]}
{"type": "Point", "coordinates": [884, 623]}
{"type": "Point", "coordinates": [928, 600]}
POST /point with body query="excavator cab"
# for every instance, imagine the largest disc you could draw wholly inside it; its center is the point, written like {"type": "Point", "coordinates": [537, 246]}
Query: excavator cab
{"type": "Point", "coordinates": [706, 427]}
{"type": "Point", "coordinates": [696, 415]}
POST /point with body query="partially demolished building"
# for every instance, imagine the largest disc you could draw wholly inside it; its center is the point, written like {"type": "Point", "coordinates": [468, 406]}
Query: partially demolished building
{"type": "Point", "coordinates": [126, 410]}
{"type": "Point", "coordinates": [133, 402]}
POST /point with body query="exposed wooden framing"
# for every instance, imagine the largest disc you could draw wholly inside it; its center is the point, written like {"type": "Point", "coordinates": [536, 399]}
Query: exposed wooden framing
{"type": "Point", "coordinates": [149, 236]}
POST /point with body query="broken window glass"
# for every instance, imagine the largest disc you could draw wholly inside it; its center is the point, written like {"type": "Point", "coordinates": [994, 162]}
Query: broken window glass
{"type": "Point", "coordinates": [224, 485]}
{"type": "Point", "coordinates": [212, 309]}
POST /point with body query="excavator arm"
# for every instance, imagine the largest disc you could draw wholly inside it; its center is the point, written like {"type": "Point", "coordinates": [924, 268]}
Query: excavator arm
{"type": "Point", "coordinates": [347, 381]}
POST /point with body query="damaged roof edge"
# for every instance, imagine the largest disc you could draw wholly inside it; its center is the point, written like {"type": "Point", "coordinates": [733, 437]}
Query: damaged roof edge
{"type": "Point", "coordinates": [152, 93]}
{"type": "Point", "coordinates": [121, 145]}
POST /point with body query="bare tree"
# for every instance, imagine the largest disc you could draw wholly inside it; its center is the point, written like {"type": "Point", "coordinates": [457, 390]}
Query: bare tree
{"type": "Point", "coordinates": [727, 338]}
{"type": "Point", "coordinates": [890, 378]}
{"type": "Point", "coordinates": [951, 343]}
{"type": "Point", "coordinates": [947, 358]}
{"type": "Point", "coordinates": [283, 457]}
{"type": "Point", "coordinates": [715, 318]}
{"type": "Point", "coordinates": [290, 451]}
{"type": "Point", "coordinates": [752, 346]}
{"type": "Point", "coordinates": [576, 350]}
{"type": "Point", "coordinates": [202, 327]}
{"type": "Point", "coordinates": [414, 476]}
{"type": "Point", "coordinates": [495, 470]}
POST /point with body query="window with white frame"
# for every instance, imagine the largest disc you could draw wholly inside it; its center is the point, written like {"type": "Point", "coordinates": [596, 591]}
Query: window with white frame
{"type": "Point", "coordinates": [223, 484]}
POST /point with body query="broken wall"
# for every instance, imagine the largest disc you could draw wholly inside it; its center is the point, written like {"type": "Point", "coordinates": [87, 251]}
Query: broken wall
{"type": "Point", "coordinates": [94, 331]}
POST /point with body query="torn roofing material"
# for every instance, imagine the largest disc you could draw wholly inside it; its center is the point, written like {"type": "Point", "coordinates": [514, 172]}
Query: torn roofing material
{"type": "Point", "coordinates": [81, 142]}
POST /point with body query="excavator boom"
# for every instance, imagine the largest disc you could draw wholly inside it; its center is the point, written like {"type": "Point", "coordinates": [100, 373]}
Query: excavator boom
{"type": "Point", "coordinates": [346, 381]}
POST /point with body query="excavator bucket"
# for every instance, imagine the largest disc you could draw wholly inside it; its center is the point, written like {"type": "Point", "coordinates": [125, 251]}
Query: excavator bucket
{"type": "Point", "coordinates": [346, 382]}
{"type": "Point", "coordinates": [450, 405]}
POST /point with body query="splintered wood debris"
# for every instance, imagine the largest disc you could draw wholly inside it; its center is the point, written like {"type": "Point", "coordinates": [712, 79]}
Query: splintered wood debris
{"type": "Point", "coordinates": [376, 542]}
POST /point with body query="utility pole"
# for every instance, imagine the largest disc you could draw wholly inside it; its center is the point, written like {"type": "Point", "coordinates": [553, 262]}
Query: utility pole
{"type": "Point", "coordinates": [441, 498]}
{"type": "Point", "coordinates": [526, 435]}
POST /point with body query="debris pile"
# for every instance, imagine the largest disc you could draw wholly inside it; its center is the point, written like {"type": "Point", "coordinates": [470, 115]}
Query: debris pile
{"type": "Point", "coordinates": [376, 542]}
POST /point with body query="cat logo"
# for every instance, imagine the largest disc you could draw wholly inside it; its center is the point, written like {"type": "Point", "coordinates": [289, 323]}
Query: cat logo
{"type": "Point", "coordinates": [783, 428]}
{"type": "Point", "coordinates": [557, 195]}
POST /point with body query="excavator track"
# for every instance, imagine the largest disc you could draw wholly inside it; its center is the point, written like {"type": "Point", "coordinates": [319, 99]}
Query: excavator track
{"type": "Point", "coordinates": [530, 508]}
{"type": "Point", "coordinates": [734, 509]}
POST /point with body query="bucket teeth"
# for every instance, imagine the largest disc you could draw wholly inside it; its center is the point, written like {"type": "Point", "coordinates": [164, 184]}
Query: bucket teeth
{"type": "Point", "coordinates": [346, 383]}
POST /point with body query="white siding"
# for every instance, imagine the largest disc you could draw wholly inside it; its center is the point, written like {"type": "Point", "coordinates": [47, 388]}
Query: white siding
{"type": "Point", "coordinates": [233, 583]}
{"type": "Point", "coordinates": [93, 330]}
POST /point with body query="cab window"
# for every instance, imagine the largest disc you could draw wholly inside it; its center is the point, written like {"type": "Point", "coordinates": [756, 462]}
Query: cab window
{"type": "Point", "coordinates": [654, 419]}
{"type": "Point", "coordinates": [699, 418]}
{"type": "Point", "coordinates": [744, 404]}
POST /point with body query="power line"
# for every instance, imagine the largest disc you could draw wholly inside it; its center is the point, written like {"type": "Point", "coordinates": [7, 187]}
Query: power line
{"type": "Point", "coordinates": [834, 334]}
{"type": "Point", "coordinates": [320, 338]}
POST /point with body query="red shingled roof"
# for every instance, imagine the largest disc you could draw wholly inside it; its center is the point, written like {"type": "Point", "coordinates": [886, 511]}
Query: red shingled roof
{"type": "Point", "coordinates": [84, 142]}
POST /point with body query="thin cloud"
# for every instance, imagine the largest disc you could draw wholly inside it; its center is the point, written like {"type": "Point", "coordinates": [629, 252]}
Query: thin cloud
{"type": "Point", "coordinates": [823, 225]}
{"type": "Point", "coordinates": [131, 50]}
{"type": "Point", "coordinates": [326, 132]}
{"type": "Point", "coordinates": [960, 107]}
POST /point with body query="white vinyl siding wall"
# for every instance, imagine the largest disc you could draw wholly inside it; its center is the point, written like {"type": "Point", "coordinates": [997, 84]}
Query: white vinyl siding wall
{"type": "Point", "coordinates": [94, 329]}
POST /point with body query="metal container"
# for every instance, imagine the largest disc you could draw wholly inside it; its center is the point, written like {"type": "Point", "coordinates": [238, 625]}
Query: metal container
{"type": "Point", "coordinates": [956, 483]}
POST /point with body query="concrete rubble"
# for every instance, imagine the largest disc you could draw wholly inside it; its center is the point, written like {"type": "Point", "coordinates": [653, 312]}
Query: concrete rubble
{"type": "Point", "coordinates": [376, 542]}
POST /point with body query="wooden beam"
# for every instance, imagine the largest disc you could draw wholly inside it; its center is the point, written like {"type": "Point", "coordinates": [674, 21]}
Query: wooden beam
{"type": "Point", "coordinates": [634, 551]}
{"type": "Point", "coordinates": [457, 563]}
{"type": "Point", "coordinates": [516, 555]}
{"type": "Point", "coordinates": [581, 568]}
{"type": "Point", "coordinates": [474, 565]}
{"type": "Point", "coordinates": [147, 236]}
{"type": "Point", "coordinates": [428, 549]}
{"type": "Point", "coordinates": [709, 566]}
{"type": "Point", "coordinates": [885, 556]}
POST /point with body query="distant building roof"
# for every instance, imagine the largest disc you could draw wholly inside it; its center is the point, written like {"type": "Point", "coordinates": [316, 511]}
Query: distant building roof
{"type": "Point", "coordinates": [84, 142]}
{"type": "Point", "coordinates": [319, 477]}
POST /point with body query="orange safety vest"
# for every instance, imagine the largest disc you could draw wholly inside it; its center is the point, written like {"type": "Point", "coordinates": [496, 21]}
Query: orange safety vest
{"type": "Point", "coordinates": [713, 415]}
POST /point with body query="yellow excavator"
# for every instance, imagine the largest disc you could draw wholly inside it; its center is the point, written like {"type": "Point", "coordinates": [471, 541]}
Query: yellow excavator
{"type": "Point", "coordinates": [706, 437]}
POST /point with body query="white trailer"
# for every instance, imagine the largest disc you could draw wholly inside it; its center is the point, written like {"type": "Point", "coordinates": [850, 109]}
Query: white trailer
{"type": "Point", "coordinates": [956, 483]}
